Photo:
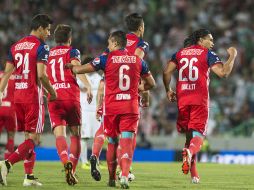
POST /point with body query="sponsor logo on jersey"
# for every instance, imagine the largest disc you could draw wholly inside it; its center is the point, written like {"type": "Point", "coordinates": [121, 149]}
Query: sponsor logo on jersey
{"type": "Point", "coordinates": [124, 59]}
{"type": "Point", "coordinates": [46, 47]}
{"type": "Point", "coordinates": [123, 96]}
{"type": "Point", "coordinates": [191, 52]}
{"type": "Point", "coordinates": [24, 45]}
{"type": "Point", "coordinates": [188, 87]}
{"type": "Point", "coordinates": [96, 61]}
{"type": "Point", "coordinates": [21, 85]}
{"type": "Point", "coordinates": [58, 52]}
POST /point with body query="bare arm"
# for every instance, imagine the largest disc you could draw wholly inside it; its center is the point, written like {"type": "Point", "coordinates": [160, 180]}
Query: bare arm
{"type": "Point", "coordinates": [167, 75]}
{"type": "Point", "coordinates": [85, 81]}
{"type": "Point", "coordinates": [223, 70]}
{"type": "Point", "coordinates": [80, 69]}
{"type": "Point", "coordinates": [140, 53]}
{"type": "Point", "coordinates": [99, 100]}
{"type": "Point", "coordinates": [147, 84]}
{"type": "Point", "coordinates": [41, 73]}
{"type": "Point", "coordinates": [9, 68]}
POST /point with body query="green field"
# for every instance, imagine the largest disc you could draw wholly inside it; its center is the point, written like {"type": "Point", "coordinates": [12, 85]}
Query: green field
{"type": "Point", "coordinates": [148, 176]}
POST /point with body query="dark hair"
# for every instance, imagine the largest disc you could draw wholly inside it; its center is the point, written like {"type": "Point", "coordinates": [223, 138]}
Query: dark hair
{"type": "Point", "coordinates": [120, 37]}
{"type": "Point", "coordinates": [87, 59]}
{"type": "Point", "coordinates": [62, 33]}
{"type": "Point", "coordinates": [40, 20]}
{"type": "Point", "coordinates": [133, 21]}
{"type": "Point", "coordinates": [187, 42]}
{"type": "Point", "coordinates": [195, 37]}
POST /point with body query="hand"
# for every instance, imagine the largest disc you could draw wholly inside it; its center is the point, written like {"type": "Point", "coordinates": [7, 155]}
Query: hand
{"type": "Point", "coordinates": [99, 113]}
{"type": "Point", "coordinates": [232, 51]}
{"type": "Point", "coordinates": [53, 96]}
{"type": "Point", "coordinates": [89, 95]}
{"type": "Point", "coordinates": [171, 95]}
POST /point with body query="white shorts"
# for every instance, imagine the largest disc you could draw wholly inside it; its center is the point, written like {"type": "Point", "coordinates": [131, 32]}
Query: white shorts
{"type": "Point", "coordinates": [89, 124]}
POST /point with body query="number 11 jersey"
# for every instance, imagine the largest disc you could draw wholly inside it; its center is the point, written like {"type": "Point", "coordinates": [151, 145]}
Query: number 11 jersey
{"type": "Point", "coordinates": [62, 79]}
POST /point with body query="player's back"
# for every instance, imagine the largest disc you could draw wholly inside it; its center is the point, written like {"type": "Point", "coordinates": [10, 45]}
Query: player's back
{"type": "Point", "coordinates": [25, 54]}
{"type": "Point", "coordinates": [122, 75]}
{"type": "Point", "coordinates": [134, 42]}
{"type": "Point", "coordinates": [63, 80]}
{"type": "Point", "coordinates": [193, 75]}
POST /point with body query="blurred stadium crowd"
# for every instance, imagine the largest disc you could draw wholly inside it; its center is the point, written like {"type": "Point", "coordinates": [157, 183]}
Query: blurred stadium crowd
{"type": "Point", "coordinates": [167, 23]}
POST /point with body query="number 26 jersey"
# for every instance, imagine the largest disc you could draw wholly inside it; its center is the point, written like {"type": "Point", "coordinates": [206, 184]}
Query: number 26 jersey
{"type": "Point", "coordinates": [193, 64]}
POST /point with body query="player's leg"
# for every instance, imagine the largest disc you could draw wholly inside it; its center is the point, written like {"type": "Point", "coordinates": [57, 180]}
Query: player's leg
{"type": "Point", "coordinates": [127, 126]}
{"type": "Point", "coordinates": [75, 146]}
{"type": "Point", "coordinates": [9, 148]}
{"type": "Point", "coordinates": [111, 156]}
{"type": "Point", "coordinates": [98, 142]}
{"type": "Point", "coordinates": [182, 127]}
{"type": "Point", "coordinates": [83, 154]}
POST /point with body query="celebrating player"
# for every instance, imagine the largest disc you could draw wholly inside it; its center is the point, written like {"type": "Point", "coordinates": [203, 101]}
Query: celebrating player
{"type": "Point", "coordinates": [122, 74]}
{"type": "Point", "coordinates": [65, 111]}
{"type": "Point", "coordinates": [29, 57]}
{"type": "Point", "coordinates": [193, 64]}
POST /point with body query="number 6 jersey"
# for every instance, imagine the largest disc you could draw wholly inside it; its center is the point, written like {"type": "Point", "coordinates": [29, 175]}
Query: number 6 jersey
{"type": "Point", "coordinates": [122, 72]}
{"type": "Point", "coordinates": [193, 65]}
{"type": "Point", "coordinates": [24, 55]}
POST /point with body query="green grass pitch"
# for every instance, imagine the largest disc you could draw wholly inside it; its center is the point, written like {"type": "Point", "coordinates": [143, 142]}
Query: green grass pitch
{"type": "Point", "coordinates": [148, 176]}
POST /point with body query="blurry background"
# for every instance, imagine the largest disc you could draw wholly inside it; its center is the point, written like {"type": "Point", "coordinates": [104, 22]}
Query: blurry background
{"type": "Point", "coordinates": [167, 23]}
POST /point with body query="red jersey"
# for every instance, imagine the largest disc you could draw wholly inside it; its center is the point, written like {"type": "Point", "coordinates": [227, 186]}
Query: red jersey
{"type": "Point", "coordinates": [193, 65]}
{"type": "Point", "coordinates": [24, 55]}
{"type": "Point", "coordinates": [122, 72]}
{"type": "Point", "coordinates": [8, 94]}
{"type": "Point", "coordinates": [63, 80]}
{"type": "Point", "coordinates": [134, 42]}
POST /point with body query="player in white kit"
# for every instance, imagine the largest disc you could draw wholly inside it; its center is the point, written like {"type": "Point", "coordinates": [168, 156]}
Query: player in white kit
{"type": "Point", "coordinates": [89, 123]}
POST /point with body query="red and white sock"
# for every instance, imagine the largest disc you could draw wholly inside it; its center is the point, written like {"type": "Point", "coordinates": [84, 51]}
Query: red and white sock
{"type": "Point", "coordinates": [75, 149]}
{"type": "Point", "coordinates": [98, 142]}
{"type": "Point", "coordinates": [21, 152]}
{"type": "Point", "coordinates": [193, 169]}
{"type": "Point", "coordinates": [62, 149]}
{"type": "Point", "coordinates": [126, 154]}
{"type": "Point", "coordinates": [195, 145]}
{"type": "Point", "coordinates": [111, 156]}
{"type": "Point", "coordinates": [29, 162]}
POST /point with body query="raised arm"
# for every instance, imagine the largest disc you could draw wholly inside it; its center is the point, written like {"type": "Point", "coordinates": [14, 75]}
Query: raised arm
{"type": "Point", "coordinates": [223, 70]}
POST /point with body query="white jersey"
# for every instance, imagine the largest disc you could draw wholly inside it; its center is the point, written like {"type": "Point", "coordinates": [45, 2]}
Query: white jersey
{"type": "Point", "coordinates": [94, 79]}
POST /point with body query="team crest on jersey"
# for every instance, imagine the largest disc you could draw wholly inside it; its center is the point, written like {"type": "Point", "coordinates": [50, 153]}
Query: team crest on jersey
{"type": "Point", "coordinates": [46, 47]}
{"type": "Point", "coordinates": [130, 42]}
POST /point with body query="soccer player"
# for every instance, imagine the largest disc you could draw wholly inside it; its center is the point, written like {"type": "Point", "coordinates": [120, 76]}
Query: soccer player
{"type": "Point", "coordinates": [122, 72]}
{"type": "Point", "coordinates": [8, 116]}
{"type": "Point", "coordinates": [136, 45]}
{"type": "Point", "coordinates": [28, 57]}
{"type": "Point", "coordinates": [89, 123]}
{"type": "Point", "coordinates": [193, 64]}
{"type": "Point", "coordinates": [65, 110]}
